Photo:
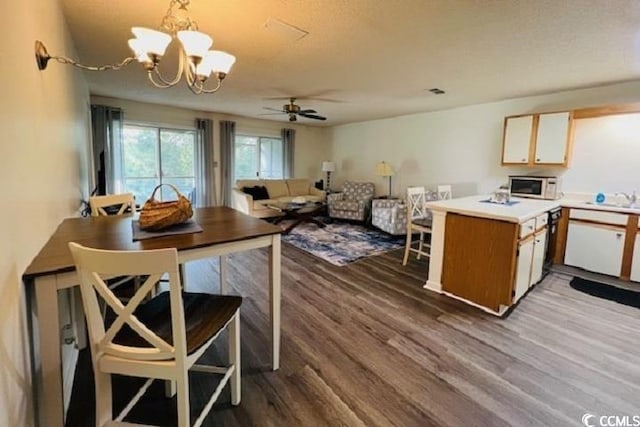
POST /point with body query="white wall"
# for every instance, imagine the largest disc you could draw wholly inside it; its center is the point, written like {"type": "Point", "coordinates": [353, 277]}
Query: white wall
{"type": "Point", "coordinates": [606, 155]}
{"type": "Point", "coordinates": [311, 147]}
{"type": "Point", "coordinates": [43, 171]}
{"type": "Point", "coordinates": [462, 146]}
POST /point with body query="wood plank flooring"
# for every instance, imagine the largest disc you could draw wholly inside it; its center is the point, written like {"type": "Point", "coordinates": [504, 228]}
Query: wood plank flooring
{"type": "Point", "coordinates": [366, 345]}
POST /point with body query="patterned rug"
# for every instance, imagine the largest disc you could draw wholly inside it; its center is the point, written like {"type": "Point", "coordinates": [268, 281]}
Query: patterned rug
{"type": "Point", "coordinates": [342, 243]}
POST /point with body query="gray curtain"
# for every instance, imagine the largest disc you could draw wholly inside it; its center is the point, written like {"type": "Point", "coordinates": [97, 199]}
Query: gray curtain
{"type": "Point", "coordinates": [227, 138]}
{"type": "Point", "coordinates": [205, 194]}
{"type": "Point", "coordinates": [106, 132]}
{"type": "Point", "coordinates": [288, 144]}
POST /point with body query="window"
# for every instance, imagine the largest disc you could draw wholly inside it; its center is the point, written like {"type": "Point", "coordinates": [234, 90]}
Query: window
{"type": "Point", "coordinates": [151, 156]}
{"type": "Point", "coordinates": [258, 157]}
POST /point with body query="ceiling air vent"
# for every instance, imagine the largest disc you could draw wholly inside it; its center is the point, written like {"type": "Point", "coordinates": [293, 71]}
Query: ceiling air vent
{"type": "Point", "coordinates": [436, 91]}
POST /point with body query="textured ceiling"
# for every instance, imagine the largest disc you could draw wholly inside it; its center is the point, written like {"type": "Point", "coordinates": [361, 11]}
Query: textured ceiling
{"type": "Point", "coordinates": [368, 59]}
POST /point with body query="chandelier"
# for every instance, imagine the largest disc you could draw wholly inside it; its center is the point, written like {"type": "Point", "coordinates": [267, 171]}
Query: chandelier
{"type": "Point", "coordinates": [196, 62]}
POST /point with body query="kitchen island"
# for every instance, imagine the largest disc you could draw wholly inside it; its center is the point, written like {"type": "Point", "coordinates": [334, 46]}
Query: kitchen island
{"type": "Point", "coordinates": [487, 254]}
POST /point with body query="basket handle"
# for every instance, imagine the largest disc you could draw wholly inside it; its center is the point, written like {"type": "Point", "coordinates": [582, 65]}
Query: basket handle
{"type": "Point", "coordinates": [153, 195]}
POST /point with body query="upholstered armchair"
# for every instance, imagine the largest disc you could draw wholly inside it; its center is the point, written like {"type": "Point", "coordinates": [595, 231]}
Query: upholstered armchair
{"type": "Point", "coordinates": [353, 202]}
{"type": "Point", "coordinates": [389, 216]}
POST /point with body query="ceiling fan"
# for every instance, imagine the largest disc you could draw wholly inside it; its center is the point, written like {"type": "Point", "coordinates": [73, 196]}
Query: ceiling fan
{"type": "Point", "coordinates": [294, 110]}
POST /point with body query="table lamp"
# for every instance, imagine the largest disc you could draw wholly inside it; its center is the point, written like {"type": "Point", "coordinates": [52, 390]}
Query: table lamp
{"type": "Point", "coordinates": [328, 167]}
{"type": "Point", "coordinates": [385, 169]}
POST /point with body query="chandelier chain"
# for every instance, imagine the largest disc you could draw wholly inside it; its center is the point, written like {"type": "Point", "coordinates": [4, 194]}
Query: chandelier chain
{"type": "Point", "coordinates": [69, 61]}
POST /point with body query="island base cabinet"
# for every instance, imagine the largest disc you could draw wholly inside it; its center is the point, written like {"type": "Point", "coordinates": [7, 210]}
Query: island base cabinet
{"type": "Point", "coordinates": [596, 248]}
{"type": "Point", "coordinates": [479, 260]}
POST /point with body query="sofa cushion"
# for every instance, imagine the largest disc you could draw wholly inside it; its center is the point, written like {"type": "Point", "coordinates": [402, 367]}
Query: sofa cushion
{"type": "Point", "coordinates": [258, 192]}
{"type": "Point", "coordinates": [276, 188]}
{"type": "Point", "coordinates": [298, 187]}
{"type": "Point", "coordinates": [248, 183]}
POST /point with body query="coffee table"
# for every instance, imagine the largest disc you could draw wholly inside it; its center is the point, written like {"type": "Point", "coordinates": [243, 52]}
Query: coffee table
{"type": "Point", "coordinates": [299, 212]}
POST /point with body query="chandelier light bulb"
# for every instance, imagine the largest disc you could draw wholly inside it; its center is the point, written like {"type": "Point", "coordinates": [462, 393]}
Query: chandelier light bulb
{"type": "Point", "coordinates": [138, 51]}
{"type": "Point", "coordinates": [195, 43]}
{"type": "Point", "coordinates": [215, 61]}
{"type": "Point", "coordinates": [151, 42]}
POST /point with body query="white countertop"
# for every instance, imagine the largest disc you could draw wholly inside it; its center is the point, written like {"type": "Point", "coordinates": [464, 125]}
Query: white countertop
{"type": "Point", "coordinates": [522, 211]}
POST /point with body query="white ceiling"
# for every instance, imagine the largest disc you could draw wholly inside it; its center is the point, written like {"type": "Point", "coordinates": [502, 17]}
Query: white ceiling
{"type": "Point", "coordinates": [369, 59]}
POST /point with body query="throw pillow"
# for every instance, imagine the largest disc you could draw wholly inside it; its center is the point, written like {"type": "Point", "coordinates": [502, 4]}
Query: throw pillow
{"type": "Point", "coordinates": [257, 192]}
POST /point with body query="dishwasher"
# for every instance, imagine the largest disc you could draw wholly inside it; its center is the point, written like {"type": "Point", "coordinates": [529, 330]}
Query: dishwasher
{"type": "Point", "coordinates": [552, 237]}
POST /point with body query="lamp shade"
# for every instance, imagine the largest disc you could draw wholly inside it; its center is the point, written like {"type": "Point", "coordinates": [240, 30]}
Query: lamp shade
{"type": "Point", "coordinates": [195, 43]}
{"type": "Point", "coordinates": [384, 169]}
{"type": "Point", "coordinates": [328, 167]}
{"type": "Point", "coordinates": [216, 61]}
{"type": "Point", "coordinates": [149, 42]}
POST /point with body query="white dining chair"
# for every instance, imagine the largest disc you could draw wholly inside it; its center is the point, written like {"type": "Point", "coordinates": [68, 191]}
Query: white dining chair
{"type": "Point", "coordinates": [444, 192]}
{"type": "Point", "coordinates": [99, 204]}
{"type": "Point", "coordinates": [161, 338]}
{"type": "Point", "coordinates": [418, 221]}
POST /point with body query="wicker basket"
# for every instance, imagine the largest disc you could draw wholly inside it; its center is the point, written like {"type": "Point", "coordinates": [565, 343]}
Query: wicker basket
{"type": "Point", "coordinates": [157, 215]}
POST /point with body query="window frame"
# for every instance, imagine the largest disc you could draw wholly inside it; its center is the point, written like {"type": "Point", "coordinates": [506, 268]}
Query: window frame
{"type": "Point", "coordinates": [160, 175]}
{"type": "Point", "coordinates": [257, 164]}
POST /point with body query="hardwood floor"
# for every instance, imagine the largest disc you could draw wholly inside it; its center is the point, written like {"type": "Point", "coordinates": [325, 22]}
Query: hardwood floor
{"type": "Point", "coordinates": [365, 344]}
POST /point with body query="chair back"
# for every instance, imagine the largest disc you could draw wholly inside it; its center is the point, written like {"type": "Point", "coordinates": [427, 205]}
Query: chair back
{"type": "Point", "coordinates": [358, 190]}
{"type": "Point", "coordinates": [99, 203]}
{"type": "Point", "coordinates": [415, 201]}
{"type": "Point", "coordinates": [444, 192]}
{"type": "Point", "coordinates": [95, 266]}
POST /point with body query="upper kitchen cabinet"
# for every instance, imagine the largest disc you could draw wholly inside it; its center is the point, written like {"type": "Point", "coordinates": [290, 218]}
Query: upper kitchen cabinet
{"type": "Point", "coordinates": [538, 139]}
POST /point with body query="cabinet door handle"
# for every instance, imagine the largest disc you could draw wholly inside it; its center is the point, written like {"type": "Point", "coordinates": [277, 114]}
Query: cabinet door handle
{"type": "Point", "coordinates": [618, 235]}
{"type": "Point", "coordinates": [524, 160]}
{"type": "Point", "coordinates": [537, 160]}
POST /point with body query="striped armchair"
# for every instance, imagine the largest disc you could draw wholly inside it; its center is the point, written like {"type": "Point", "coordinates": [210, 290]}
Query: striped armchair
{"type": "Point", "coordinates": [354, 202]}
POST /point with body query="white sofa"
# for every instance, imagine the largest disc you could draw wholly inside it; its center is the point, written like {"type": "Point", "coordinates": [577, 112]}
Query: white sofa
{"type": "Point", "coordinates": [280, 190]}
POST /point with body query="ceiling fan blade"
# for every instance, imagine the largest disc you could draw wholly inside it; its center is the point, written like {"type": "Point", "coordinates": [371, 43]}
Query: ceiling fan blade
{"type": "Point", "coordinates": [274, 109]}
{"type": "Point", "coordinates": [312, 116]}
{"type": "Point", "coordinates": [307, 111]}
{"type": "Point", "coordinates": [271, 114]}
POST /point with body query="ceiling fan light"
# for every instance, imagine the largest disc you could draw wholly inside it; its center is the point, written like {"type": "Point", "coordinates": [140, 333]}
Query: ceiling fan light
{"type": "Point", "coordinates": [195, 43]}
{"type": "Point", "coordinates": [151, 42]}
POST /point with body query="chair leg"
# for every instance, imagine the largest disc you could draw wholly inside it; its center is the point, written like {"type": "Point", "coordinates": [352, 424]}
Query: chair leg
{"type": "Point", "coordinates": [104, 408]}
{"type": "Point", "coordinates": [234, 357]}
{"type": "Point", "coordinates": [182, 398]}
{"type": "Point", "coordinates": [407, 246]}
{"type": "Point", "coordinates": [420, 244]}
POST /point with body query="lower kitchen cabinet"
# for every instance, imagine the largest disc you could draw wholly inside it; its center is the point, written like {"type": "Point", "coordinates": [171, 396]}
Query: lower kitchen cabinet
{"type": "Point", "coordinates": [594, 247]}
{"type": "Point", "coordinates": [523, 269]}
{"type": "Point", "coordinates": [635, 265]}
{"type": "Point", "coordinates": [539, 254]}
{"type": "Point", "coordinates": [531, 254]}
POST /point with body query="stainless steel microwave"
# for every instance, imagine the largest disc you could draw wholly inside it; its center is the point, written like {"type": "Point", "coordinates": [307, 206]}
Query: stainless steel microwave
{"type": "Point", "coordinates": [536, 187]}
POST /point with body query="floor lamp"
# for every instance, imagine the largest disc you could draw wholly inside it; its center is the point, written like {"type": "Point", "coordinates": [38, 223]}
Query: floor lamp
{"type": "Point", "coordinates": [328, 167]}
{"type": "Point", "coordinates": [385, 169]}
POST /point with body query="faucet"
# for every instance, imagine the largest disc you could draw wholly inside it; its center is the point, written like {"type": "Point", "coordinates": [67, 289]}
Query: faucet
{"type": "Point", "coordinates": [632, 199]}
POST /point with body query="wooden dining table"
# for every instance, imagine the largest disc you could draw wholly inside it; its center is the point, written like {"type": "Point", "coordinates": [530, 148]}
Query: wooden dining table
{"type": "Point", "coordinates": [224, 231]}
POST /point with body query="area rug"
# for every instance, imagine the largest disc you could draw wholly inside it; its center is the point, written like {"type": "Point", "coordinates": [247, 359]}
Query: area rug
{"type": "Point", "coordinates": [601, 290]}
{"type": "Point", "coordinates": [342, 243]}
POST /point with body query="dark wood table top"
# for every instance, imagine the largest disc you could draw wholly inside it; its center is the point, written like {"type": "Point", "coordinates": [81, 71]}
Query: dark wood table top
{"type": "Point", "coordinates": [219, 224]}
